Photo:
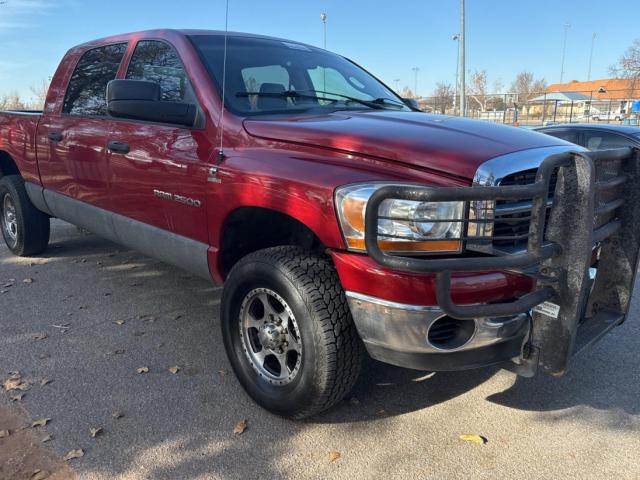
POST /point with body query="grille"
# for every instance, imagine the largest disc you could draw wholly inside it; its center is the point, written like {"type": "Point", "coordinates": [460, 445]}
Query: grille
{"type": "Point", "coordinates": [512, 218]}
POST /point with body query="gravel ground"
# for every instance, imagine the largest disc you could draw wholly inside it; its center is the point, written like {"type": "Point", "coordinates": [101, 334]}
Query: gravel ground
{"type": "Point", "coordinates": [398, 424]}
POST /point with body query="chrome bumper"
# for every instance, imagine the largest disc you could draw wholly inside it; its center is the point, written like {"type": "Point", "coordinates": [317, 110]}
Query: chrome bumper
{"type": "Point", "coordinates": [395, 327]}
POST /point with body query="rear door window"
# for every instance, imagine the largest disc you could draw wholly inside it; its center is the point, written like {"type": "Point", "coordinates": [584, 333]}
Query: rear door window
{"type": "Point", "coordinates": [86, 93]}
{"type": "Point", "coordinates": [567, 135]}
{"type": "Point", "coordinates": [601, 140]}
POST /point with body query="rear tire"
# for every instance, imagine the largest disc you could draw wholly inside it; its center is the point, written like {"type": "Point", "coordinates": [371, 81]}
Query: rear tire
{"type": "Point", "coordinates": [25, 229]}
{"type": "Point", "coordinates": [303, 293]}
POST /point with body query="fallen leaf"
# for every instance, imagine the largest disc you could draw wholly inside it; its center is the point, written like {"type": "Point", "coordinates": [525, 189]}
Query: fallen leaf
{"type": "Point", "coordinates": [46, 438]}
{"type": "Point", "coordinates": [45, 381]}
{"type": "Point", "coordinates": [117, 415]}
{"type": "Point", "coordinates": [480, 440]}
{"type": "Point", "coordinates": [41, 422]}
{"type": "Point", "coordinates": [174, 369]}
{"type": "Point", "coordinates": [142, 370]}
{"type": "Point", "coordinates": [95, 431]}
{"type": "Point", "coordinates": [381, 412]}
{"type": "Point", "coordinates": [222, 372]}
{"type": "Point", "coordinates": [17, 398]}
{"type": "Point", "coordinates": [119, 322]}
{"type": "Point", "coordinates": [40, 474]}
{"type": "Point", "coordinates": [333, 456]}
{"type": "Point", "coordinates": [40, 336]}
{"type": "Point", "coordinates": [28, 280]}
{"type": "Point", "coordinates": [15, 383]}
{"type": "Point", "coordinates": [240, 427]}
{"type": "Point", "coordinates": [120, 351]}
{"type": "Point", "coordinates": [74, 454]}
{"type": "Point", "coordinates": [4, 433]}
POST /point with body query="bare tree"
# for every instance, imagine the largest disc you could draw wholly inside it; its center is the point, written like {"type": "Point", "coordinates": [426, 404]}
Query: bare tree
{"type": "Point", "coordinates": [477, 88]}
{"type": "Point", "coordinates": [443, 97]}
{"type": "Point", "coordinates": [407, 93]}
{"type": "Point", "coordinates": [12, 101]}
{"type": "Point", "coordinates": [629, 64]}
{"type": "Point", "coordinates": [526, 86]}
{"type": "Point", "coordinates": [39, 94]}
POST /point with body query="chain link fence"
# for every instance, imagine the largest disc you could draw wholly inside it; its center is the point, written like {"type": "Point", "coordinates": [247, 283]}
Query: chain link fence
{"type": "Point", "coordinates": [542, 108]}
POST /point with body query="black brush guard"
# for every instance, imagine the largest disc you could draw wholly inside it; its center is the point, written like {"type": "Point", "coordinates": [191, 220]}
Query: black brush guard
{"type": "Point", "coordinates": [559, 253]}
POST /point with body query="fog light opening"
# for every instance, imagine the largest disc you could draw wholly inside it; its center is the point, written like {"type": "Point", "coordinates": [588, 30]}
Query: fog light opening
{"type": "Point", "coordinates": [448, 333]}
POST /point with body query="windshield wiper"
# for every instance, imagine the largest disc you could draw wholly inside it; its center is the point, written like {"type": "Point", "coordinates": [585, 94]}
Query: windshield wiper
{"type": "Point", "coordinates": [392, 101]}
{"type": "Point", "coordinates": [298, 94]}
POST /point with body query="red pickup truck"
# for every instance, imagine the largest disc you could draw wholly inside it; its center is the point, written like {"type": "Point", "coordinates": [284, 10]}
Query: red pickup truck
{"type": "Point", "coordinates": [339, 217]}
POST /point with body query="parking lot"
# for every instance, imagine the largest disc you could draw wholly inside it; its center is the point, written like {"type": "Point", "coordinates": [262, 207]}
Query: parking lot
{"type": "Point", "coordinates": [88, 314]}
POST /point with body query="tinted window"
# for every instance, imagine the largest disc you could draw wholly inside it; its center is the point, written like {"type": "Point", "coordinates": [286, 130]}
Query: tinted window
{"type": "Point", "coordinates": [599, 140]}
{"type": "Point", "coordinates": [86, 94]}
{"type": "Point", "coordinates": [158, 62]}
{"type": "Point", "coordinates": [568, 135]}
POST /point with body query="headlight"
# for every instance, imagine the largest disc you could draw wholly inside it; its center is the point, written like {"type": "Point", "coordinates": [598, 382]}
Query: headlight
{"type": "Point", "coordinates": [404, 226]}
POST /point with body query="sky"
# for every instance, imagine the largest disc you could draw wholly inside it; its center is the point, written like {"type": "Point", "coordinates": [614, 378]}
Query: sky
{"type": "Point", "coordinates": [504, 37]}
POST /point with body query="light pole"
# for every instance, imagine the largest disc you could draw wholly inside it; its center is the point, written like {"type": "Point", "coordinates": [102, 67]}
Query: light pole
{"type": "Point", "coordinates": [323, 17]}
{"type": "Point", "coordinates": [415, 81]}
{"type": "Point", "coordinates": [593, 41]}
{"type": "Point", "coordinates": [397, 82]}
{"type": "Point", "coordinates": [456, 38]}
{"type": "Point", "coordinates": [463, 109]}
{"type": "Point", "coordinates": [567, 26]}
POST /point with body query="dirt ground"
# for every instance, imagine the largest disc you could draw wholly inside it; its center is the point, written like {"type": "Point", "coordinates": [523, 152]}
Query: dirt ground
{"type": "Point", "coordinates": [23, 455]}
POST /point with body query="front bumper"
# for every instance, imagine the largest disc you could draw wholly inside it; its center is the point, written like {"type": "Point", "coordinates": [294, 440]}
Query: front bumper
{"type": "Point", "coordinates": [568, 311]}
{"type": "Point", "coordinates": [399, 334]}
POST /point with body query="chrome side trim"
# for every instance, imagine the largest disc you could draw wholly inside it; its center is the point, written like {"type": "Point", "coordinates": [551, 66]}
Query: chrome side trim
{"type": "Point", "coordinates": [163, 245]}
{"type": "Point", "coordinates": [389, 304]}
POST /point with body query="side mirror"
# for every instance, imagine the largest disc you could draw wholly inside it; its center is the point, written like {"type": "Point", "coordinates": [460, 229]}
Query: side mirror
{"type": "Point", "coordinates": [140, 100]}
{"type": "Point", "coordinates": [412, 103]}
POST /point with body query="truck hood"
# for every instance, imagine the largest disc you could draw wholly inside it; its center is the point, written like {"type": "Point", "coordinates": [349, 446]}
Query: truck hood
{"type": "Point", "coordinates": [450, 145]}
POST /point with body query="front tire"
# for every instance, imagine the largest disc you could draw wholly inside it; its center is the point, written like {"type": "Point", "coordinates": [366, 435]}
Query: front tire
{"type": "Point", "coordinates": [288, 331]}
{"type": "Point", "coordinates": [25, 229]}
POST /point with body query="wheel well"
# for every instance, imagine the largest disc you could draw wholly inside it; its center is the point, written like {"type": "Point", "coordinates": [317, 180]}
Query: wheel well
{"type": "Point", "coordinates": [7, 165]}
{"type": "Point", "coordinates": [249, 229]}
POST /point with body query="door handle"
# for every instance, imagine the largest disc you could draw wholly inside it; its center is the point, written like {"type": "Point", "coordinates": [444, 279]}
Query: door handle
{"type": "Point", "coordinates": [54, 136]}
{"type": "Point", "coordinates": [118, 147]}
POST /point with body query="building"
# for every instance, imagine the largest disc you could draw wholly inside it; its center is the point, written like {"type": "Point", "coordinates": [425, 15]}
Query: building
{"type": "Point", "coordinates": [606, 97]}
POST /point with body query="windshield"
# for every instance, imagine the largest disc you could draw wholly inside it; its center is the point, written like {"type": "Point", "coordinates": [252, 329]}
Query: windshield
{"type": "Point", "coordinates": [265, 76]}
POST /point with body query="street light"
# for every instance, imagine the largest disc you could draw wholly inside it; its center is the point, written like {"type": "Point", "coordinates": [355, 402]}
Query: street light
{"type": "Point", "coordinates": [593, 41]}
{"type": "Point", "coordinates": [415, 84]}
{"type": "Point", "coordinates": [567, 26]}
{"type": "Point", "coordinates": [456, 38]}
{"type": "Point", "coordinates": [323, 17]}
{"type": "Point", "coordinates": [397, 82]}
{"type": "Point", "coordinates": [463, 109]}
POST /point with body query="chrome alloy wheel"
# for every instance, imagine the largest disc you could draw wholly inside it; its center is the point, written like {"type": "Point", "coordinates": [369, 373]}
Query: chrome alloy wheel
{"type": "Point", "coordinates": [9, 220]}
{"type": "Point", "coordinates": [270, 336]}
